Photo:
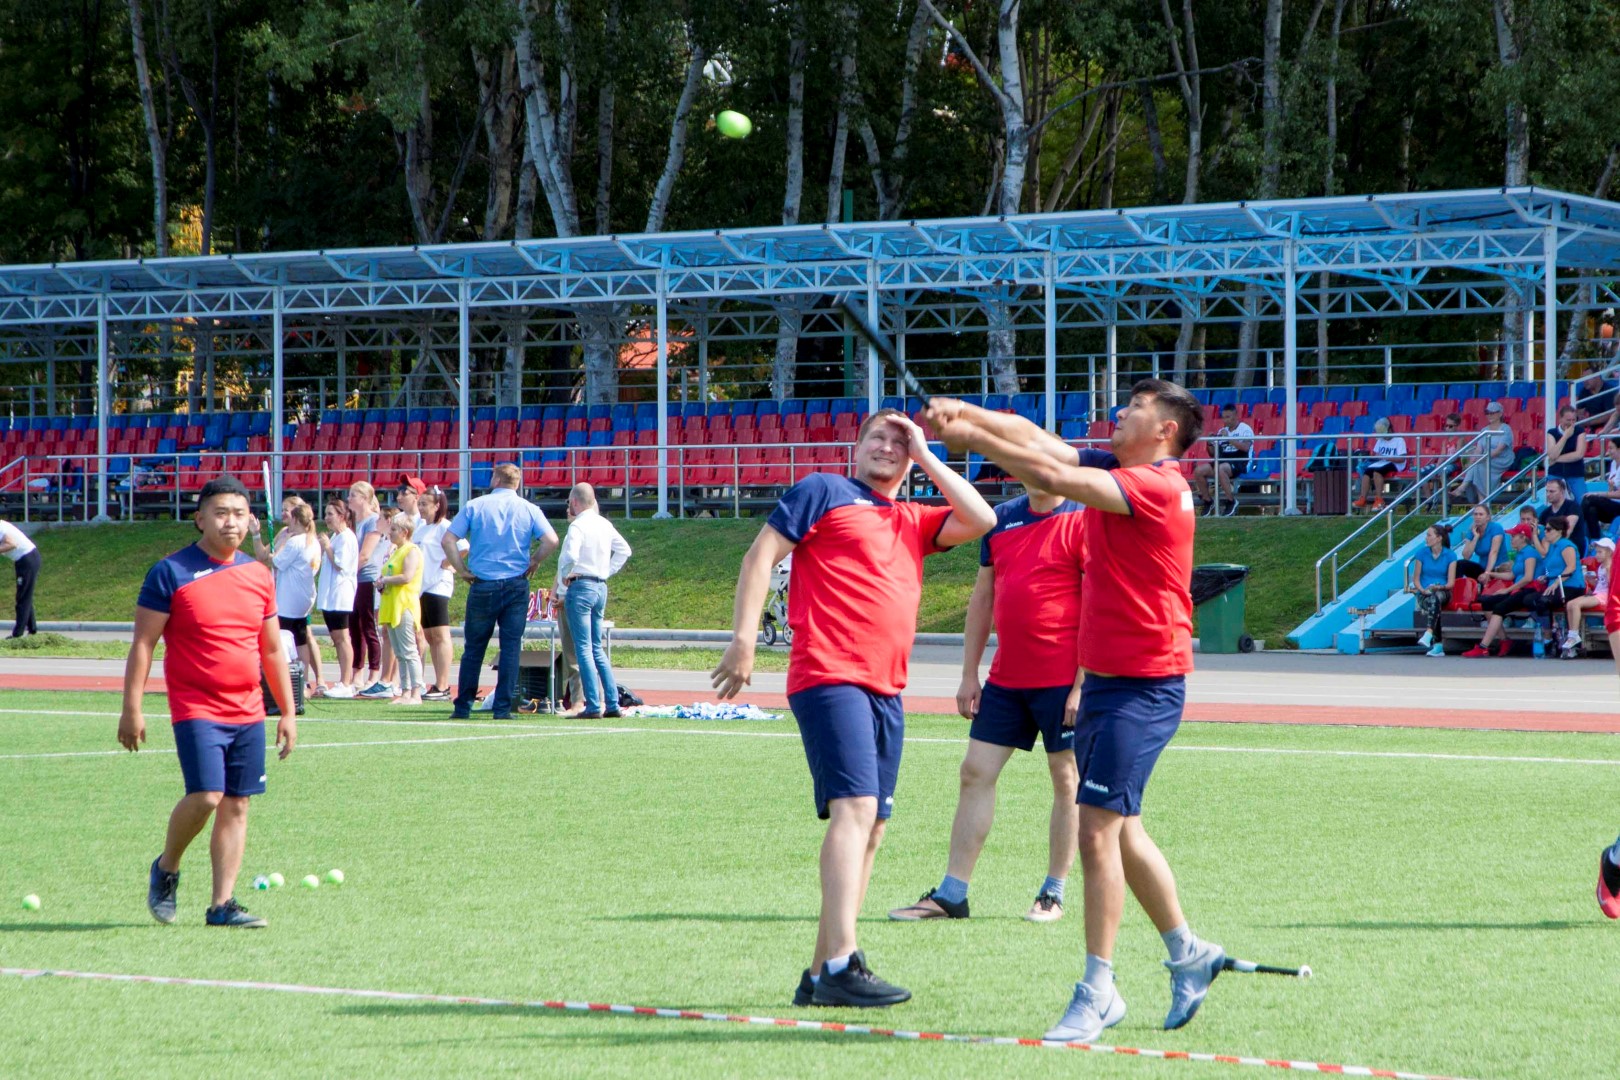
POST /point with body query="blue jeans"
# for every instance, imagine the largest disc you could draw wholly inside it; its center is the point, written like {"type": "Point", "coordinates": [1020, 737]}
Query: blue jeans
{"type": "Point", "coordinates": [585, 604]}
{"type": "Point", "coordinates": [492, 604]}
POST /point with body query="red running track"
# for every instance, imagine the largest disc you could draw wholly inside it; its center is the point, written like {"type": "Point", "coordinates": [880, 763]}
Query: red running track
{"type": "Point", "coordinates": [1398, 716]}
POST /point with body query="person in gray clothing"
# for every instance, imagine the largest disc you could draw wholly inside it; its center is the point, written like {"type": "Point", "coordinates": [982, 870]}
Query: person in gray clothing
{"type": "Point", "coordinates": [1493, 455]}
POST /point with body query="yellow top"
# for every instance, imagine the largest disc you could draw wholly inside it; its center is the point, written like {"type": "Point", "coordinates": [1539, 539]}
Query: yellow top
{"type": "Point", "coordinates": [398, 599]}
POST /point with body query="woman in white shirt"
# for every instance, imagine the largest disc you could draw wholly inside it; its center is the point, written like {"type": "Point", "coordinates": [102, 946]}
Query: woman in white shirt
{"type": "Point", "coordinates": [334, 593]}
{"type": "Point", "coordinates": [1388, 458]}
{"type": "Point", "coordinates": [293, 562]}
{"type": "Point", "coordinates": [438, 584]}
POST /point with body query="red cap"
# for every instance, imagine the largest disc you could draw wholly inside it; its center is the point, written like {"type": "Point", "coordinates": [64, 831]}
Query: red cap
{"type": "Point", "coordinates": [1522, 530]}
{"type": "Point", "coordinates": [406, 480]}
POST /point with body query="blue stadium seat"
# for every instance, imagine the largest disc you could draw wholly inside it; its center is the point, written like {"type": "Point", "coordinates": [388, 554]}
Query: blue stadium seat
{"type": "Point", "coordinates": [553, 457]}
{"type": "Point", "coordinates": [1372, 394]}
{"type": "Point", "coordinates": [168, 446]}
{"type": "Point", "coordinates": [1253, 395]}
{"type": "Point", "coordinates": [484, 414]}
{"type": "Point", "coordinates": [1400, 396]}
{"type": "Point", "coordinates": [1219, 398]}
{"type": "Point", "coordinates": [647, 423]}
{"type": "Point", "coordinates": [575, 438]}
{"type": "Point", "coordinates": [623, 414]}
{"type": "Point", "coordinates": [1522, 390]}
{"type": "Point", "coordinates": [691, 408]}
{"type": "Point", "coordinates": [768, 407]}
{"type": "Point", "coordinates": [1335, 425]}
{"type": "Point", "coordinates": [118, 466]}
{"type": "Point", "coordinates": [1072, 429]}
{"type": "Point", "coordinates": [554, 414]}
{"type": "Point", "coordinates": [1309, 395]}
{"type": "Point", "coordinates": [374, 416]}
{"type": "Point", "coordinates": [258, 424]}
{"type": "Point", "coordinates": [598, 412]}
{"type": "Point", "coordinates": [332, 417]}
{"type": "Point", "coordinates": [530, 414]}
{"type": "Point", "coordinates": [895, 403]}
{"type": "Point", "coordinates": [649, 408]}
{"type": "Point", "coordinates": [1265, 463]}
{"type": "Point", "coordinates": [236, 444]}
{"type": "Point", "coordinates": [442, 415]}
{"type": "Point", "coordinates": [849, 405]}
{"type": "Point", "coordinates": [738, 408]}
{"type": "Point", "coordinates": [483, 475]}
{"type": "Point", "coordinates": [601, 438]}
{"type": "Point", "coordinates": [1426, 395]}
{"type": "Point", "coordinates": [1491, 390]}
{"type": "Point", "coordinates": [575, 412]}
{"type": "Point", "coordinates": [793, 407]}
{"type": "Point", "coordinates": [239, 423]}
{"type": "Point", "coordinates": [417, 417]}
{"type": "Point", "coordinates": [395, 416]}
{"type": "Point", "coordinates": [1460, 391]}
{"type": "Point", "coordinates": [1026, 404]}
{"type": "Point", "coordinates": [1074, 406]}
{"type": "Point", "coordinates": [995, 402]}
{"type": "Point", "coordinates": [815, 406]}
{"type": "Point", "coordinates": [1338, 395]}
{"type": "Point", "coordinates": [1363, 425]}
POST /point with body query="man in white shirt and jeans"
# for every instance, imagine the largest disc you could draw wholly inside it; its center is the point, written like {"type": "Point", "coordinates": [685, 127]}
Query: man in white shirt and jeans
{"type": "Point", "coordinates": [1235, 441]}
{"type": "Point", "coordinates": [592, 551]}
{"type": "Point", "coordinates": [15, 545]}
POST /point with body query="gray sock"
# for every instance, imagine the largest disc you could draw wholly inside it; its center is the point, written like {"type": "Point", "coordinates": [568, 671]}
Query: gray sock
{"type": "Point", "coordinates": [1180, 942]}
{"type": "Point", "coordinates": [952, 890]}
{"type": "Point", "coordinates": [1099, 976]}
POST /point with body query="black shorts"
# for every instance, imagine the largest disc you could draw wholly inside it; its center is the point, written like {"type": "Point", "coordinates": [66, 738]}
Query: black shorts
{"type": "Point", "coordinates": [435, 611]}
{"type": "Point", "coordinates": [298, 628]}
{"type": "Point", "coordinates": [1383, 472]}
{"type": "Point", "coordinates": [336, 620]}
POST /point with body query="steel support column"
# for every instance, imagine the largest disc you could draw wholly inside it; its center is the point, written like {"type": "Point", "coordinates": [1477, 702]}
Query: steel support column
{"type": "Point", "coordinates": [703, 361]}
{"type": "Point", "coordinates": [1104, 410]}
{"type": "Point", "coordinates": [1051, 347]}
{"type": "Point", "coordinates": [103, 404]}
{"type": "Point", "coordinates": [874, 370]}
{"type": "Point", "coordinates": [663, 396]}
{"type": "Point", "coordinates": [1290, 314]}
{"type": "Point", "coordinates": [463, 378]}
{"type": "Point", "coordinates": [278, 408]}
{"type": "Point", "coordinates": [1549, 323]}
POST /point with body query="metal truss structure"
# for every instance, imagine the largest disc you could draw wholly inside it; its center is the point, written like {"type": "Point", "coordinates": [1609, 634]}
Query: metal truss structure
{"type": "Point", "coordinates": [1452, 253]}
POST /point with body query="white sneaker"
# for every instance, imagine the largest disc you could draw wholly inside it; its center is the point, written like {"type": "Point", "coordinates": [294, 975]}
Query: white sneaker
{"type": "Point", "coordinates": [340, 690]}
{"type": "Point", "coordinates": [1084, 1020]}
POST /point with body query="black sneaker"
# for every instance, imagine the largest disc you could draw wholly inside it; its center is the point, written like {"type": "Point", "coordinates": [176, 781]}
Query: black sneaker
{"type": "Point", "coordinates": [930, 905]}
{"type": "Point", "coordinates": [856, 987]}
{"type": "Point", "coordinates": [435, 693]}
{"type": "Point", "coordinates": [160, 889]}
{"type": "Point", "coordinates": [612, 713]}
{"type": "Point", "coordinates": [806, 992]}
{"type": "Point", "coordinates": [230, 913]}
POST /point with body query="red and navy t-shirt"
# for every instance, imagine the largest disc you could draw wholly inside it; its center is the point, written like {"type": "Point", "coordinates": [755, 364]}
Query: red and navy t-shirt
{"type": "Point", "coordinates": [1039, 561]}
{"type": "Point", "coordinates": [857, 581]}
{"type": "Point", "coordinates": [1137, 604]}
{"type": "Point", "coordinates": [216, 613]}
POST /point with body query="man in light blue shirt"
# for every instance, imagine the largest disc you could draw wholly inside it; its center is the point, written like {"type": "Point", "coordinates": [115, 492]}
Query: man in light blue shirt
{"type": "Point", "coordinates": [501, 529]}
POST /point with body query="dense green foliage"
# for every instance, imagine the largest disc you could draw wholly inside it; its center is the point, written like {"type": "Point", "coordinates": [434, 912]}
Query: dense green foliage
{"type": "Point", "coordinates": [666, 868]}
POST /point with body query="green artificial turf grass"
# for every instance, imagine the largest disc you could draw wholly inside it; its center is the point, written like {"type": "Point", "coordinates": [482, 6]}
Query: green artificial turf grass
{"type": "Point", "coordinates": [684, 573]}
{"type": "Point", "coordinates": [1446, 906]}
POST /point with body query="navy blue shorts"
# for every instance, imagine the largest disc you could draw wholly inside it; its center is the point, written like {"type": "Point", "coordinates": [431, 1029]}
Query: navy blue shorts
{"type": "Point", "coordinates": [221, 757]}
{"type": "Point", "coordinates": [1123, 726]}
{"type": "Point", "coordinates": [1013, 717]}
{"type": "Point", "coordinates": [852, 740]}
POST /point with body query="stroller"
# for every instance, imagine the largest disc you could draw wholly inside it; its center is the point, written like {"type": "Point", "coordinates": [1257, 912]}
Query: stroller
{"type": "Point", "coordinates": [775, 618]}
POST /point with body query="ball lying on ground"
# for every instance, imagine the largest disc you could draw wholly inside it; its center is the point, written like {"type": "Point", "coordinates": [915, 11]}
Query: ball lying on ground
{"type": "Point", "coordinates": [31, 902]}
{"type": "Point", "coordinates": [335, 876]}
{"type": "Point", "coordinates": [733, 125]}
{"type": "Point", "coordinates": [261, 882]}
{"type": "Point", "coordinates": [277, 881]}
{"type": "Point", "coordinates": [311, 881]}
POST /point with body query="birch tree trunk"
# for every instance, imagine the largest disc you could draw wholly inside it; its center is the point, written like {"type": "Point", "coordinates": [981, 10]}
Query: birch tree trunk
{"type": "Point", "coordinates": [784, 366]}
{"type": "Point", "coordinates": [1270, 173]}
{"type": "Point", "coordinates": [1586, 295]}
{"type": "Point", "coordinates": [154, 134]}
{"type": "Point", "coordinates": [1330, 128]}
{"type": "Point", "coordinates": [1190, 83]}
{"type": "Point", "coordinates": [496, 77]}
{"type": "Point", "coordinates": [1516, 157]}
{"type": "Point", "coordinates": [606, 107]}
{"type": "Point", "coordinates": [846, 104]}
{"type": "Point", "coordinates": [676, 155]}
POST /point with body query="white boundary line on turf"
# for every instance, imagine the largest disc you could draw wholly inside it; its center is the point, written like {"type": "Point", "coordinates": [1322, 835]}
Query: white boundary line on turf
{"type": "Point", "coordinates": [305, 719]}
{"type": "Point", "coordinates": [159, 753]}
{"type": "Point", "coordinates": [835, 1027]}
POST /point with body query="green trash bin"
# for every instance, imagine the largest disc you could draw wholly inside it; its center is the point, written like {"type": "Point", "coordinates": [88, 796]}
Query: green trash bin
{"type": "Point", "coordinates": [1217, 595]}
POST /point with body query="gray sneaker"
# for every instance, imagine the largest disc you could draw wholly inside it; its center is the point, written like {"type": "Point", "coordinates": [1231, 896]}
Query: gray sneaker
{"type": "Point", "coordinates": [230, 913]}
{"type": "Point", "coordinates": [161, 887]}
{"type": "Point", "coordinates": [1084, 1020]}
{"type": "Point", "coordinates": [1189, 982]}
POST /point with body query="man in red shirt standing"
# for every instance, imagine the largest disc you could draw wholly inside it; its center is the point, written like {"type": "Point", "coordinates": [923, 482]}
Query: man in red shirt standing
{"type": "Point", "coordinates": [852, 606]}
{"type": "Point", "coordinates": [1030, 569]}
{"type": "Point", "coordinates": [1135, 649]}
{"type": "Point", "coordinates": [215, 610]}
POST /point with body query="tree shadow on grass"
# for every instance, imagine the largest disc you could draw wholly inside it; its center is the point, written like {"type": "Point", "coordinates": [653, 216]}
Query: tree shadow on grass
{"type": "Point", "coordinates": [64, 927]}
{"type": "Point", "coordinates": [1372, 924]}
{"type": "Point", "coordinates": [659, 1030]}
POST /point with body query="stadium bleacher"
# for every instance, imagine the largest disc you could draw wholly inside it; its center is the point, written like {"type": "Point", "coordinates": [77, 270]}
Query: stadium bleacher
{"type": "Point", "coordinates": [748, 444]}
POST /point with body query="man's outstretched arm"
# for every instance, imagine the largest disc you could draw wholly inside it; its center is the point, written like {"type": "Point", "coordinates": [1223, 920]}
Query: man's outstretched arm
{"type": "Point", "coordinates": [1028, 460]}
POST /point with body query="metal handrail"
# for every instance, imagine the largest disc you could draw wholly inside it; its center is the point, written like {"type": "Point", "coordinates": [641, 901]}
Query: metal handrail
{"type": "Point", "coordinates": [1386, 517]}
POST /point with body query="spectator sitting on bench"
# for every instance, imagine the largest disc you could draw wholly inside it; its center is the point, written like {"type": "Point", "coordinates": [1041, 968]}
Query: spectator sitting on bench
{"type": "Point", "coordinates": [1527, 516]}
{"type": "Point", "coordinates": [1483, 546]}
{"type": "Point", "coordinates": [1491, 456]}
{"type": "Point", "coordinates": [1599, 508]}
{"type": "Point", "coordinates": [1566, 453]}
{"type": "Point", "coordinates": [1558, 581]}
{"type": "Point", "coordinates": [1594, 599]}
{"type": "Point", "coordinates": [1233, 446]}
{"type": "Point", "coordinates": [1521, 573]}
{"type": "Point", "coordinates": [1434, 574]}
{"type": "Point", "coordinates": [1560, 507]}
{"type": "Point", "coordinates": [1388, 457]}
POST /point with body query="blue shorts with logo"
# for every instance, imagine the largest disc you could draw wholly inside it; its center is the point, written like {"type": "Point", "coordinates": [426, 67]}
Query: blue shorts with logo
{"type": "Point", "coordinates": [852, 741]}
{"type": "Point", "coordinates": [1123, 727]}
{"type": "Point", "coordinates": [1014, 717]}
{"type": "Point", "coordinates": [221, 757]}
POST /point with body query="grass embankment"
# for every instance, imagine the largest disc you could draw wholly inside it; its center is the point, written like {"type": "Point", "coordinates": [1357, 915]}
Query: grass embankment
{"type": "Point", "coordinates": [684, 573]}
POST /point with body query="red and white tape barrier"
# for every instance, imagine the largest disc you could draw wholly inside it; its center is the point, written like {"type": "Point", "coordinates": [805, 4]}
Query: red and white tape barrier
{"type": "Point", "coordinates": [730, 1018]}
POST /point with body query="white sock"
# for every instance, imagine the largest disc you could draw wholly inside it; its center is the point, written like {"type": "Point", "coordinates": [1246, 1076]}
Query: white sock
{"type": "Point", "coordinates": [836, 964]}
